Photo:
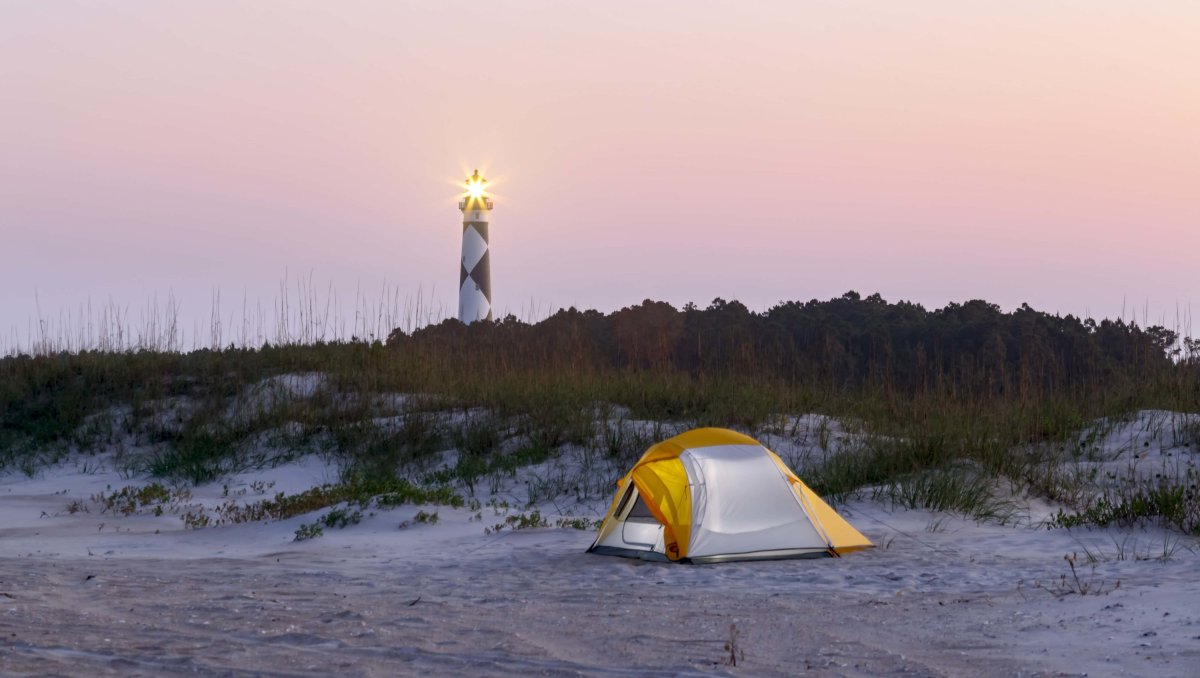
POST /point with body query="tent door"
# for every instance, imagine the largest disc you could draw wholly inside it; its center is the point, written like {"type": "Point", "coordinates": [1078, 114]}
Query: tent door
{"type": "Point", "coordinates": [641, 528]}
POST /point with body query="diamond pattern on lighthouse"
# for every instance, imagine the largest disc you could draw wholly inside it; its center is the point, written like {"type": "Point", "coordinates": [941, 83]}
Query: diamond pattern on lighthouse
{"type": "Point", "coordinates": [472, 304]}
{"type": "Point", "coordinates": [475, 274]}
{"type": "Point", "coordinates": [482, 275]}
{"type": "Point", "coordinates": [474, 245]}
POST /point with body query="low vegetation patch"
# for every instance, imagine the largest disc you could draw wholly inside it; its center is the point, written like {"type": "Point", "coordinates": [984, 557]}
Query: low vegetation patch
{"type": "Point", "coordinates": [357, 494]}
{"type": "Point", "coordinates": [535, 519]}
{"type": "Point", "coordinates": [1074, 584]}
{"type": "Point", "coordinates": [358, 491]}
{"type": "Point", "coordinates": [153, 498]}
{"type": "Point", "coordinates": [426, 517]}
{"type": "Point", "coordinates": [956, 489]}
{"type": "Point", "coordinates": [1170, 505]}
{"type": "Point", "coordinates": [519, 521]}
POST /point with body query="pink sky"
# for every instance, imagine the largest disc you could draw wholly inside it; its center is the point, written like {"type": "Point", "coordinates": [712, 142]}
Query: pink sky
{"type": "Point", "coordinates": [1042, 152]}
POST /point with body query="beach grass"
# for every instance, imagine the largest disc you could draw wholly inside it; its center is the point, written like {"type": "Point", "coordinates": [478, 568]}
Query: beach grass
{"type": "Point", "coordinates": [946, 434]}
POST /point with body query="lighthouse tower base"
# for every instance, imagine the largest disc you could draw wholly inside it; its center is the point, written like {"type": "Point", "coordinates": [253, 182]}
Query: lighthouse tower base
{"type": "Point", "coordinates": [475, 275]}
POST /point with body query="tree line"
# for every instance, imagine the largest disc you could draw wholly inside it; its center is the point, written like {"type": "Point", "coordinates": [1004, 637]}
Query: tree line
{"type": "Point", "coordinates": [972, 348]}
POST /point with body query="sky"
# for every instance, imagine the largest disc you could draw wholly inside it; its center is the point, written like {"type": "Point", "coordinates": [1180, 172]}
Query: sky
{"type": "Point", "coordinates": [169, 152]}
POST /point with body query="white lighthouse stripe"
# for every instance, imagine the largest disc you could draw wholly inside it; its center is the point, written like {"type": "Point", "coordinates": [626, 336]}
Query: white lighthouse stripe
{"type": "Point", "coordinates": [472, 304]}
{"type": "Point", "coordinates": [473, 247]}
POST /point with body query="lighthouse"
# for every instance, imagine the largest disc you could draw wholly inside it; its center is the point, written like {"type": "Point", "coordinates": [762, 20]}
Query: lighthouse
{"type": "Point", "coordinates": [475, 273]}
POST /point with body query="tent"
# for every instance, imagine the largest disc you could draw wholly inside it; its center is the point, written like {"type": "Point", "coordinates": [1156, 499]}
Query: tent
{"type": "Point", "coordinates": [712, 495]}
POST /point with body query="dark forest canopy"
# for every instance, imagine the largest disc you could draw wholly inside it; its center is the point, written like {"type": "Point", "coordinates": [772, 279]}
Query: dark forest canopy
{"type": "Point", "coordinates": [848, 341]}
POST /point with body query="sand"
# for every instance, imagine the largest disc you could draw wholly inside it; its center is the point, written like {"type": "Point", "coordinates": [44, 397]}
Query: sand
{"type": "Point", "coordinates": [91, 593]}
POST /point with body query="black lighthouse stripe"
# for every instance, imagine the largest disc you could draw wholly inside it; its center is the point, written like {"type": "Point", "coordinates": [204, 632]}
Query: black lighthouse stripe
{"type": "Point", "coordinates": [482, 275]}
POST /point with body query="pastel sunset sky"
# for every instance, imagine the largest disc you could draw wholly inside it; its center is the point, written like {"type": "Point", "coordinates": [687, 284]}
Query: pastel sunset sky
{"type": "Point", "coordinates": [1040, 152]}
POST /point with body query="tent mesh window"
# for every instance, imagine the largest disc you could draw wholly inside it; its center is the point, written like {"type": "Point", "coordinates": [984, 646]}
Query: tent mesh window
{"type": "Point", "coordinates": [641, 512]}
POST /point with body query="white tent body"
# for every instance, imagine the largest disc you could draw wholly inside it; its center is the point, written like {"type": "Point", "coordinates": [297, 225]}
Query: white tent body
{"type": "Point", "coordinates": [744, 506]}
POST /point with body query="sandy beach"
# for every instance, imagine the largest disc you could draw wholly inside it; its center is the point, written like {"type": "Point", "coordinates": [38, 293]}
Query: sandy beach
{"type": "Point", "coordinates": [90, 592]}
